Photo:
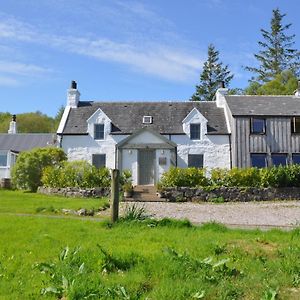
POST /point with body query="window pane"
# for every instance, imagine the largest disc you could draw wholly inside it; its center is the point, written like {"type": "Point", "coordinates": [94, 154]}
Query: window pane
{"type": "Point", "coordinates": [258, 160]}
{"type": "Point", "coordinates": [3, 160]}
{"type": "Point", "coordinates": [279, 159]}
{"type": "Point", "coordinates": [99, 160]}
{"type": "Point", "coordinates": [195, 160]}
{"type": "Point", "coordinates": [99, 131]}
{"type": "Point", "coordinates": [296, 158]}
{"type": "Point", "coordinates": [296, 125]}
{"type": "Point", "coordinates": [195, 131]}
{"type": "Point", "coordinates": [258, 125]}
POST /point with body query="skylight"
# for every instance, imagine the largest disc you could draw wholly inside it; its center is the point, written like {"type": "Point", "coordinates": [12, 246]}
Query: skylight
{"type": "Point", "coordinates": [147, 120]}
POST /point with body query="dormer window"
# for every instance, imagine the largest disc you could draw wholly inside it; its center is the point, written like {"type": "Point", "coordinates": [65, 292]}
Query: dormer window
{"type": "Point", "coordinates": [195, 131]}
{"type": "Point", "coordinates": [147, 120]}
{"type": "Point", "coordinates": [99, 131]}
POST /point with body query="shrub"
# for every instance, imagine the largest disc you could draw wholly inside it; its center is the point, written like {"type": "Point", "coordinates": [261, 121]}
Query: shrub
{"type": "Point", "coordinates": [189, 177]}
{"type": "Point", "coordinates": [75, 174]}
{"type": "Point", "coordinates": [248, 177]}
{"type": "Point", "coordinates": [27, 172]}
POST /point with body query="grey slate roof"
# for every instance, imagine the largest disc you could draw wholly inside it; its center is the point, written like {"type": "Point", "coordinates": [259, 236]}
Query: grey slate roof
{"type": "Point", "coordinates": [25, 141]}
{"type": "Point", "coordinates": [127, 116]}
{"type": "Point", "coordinates": [264, 105]}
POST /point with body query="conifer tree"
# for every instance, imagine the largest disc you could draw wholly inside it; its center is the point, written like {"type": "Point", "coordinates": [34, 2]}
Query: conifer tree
{"type": "Point", "coordinates": [212, 75]}
{"type": "Point", "coordinates": [277, 53]}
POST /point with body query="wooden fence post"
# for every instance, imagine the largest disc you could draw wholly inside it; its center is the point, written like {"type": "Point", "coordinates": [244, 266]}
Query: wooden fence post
{"type": "Point", "coordinates": [114, 195]}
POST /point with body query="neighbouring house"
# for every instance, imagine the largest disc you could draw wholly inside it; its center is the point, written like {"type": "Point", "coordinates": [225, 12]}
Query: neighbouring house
{"type": "Point", "coordinates": [145, 137]}
{"type": "Point", "coordinates": [12, 143]}
{"type": "Point", "coordinates": [265, 130]}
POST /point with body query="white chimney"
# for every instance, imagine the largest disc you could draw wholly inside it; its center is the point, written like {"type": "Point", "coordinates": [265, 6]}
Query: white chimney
{"type": "Point", "coordinates": [297, 94]}
{"type": "Point", "coordinates": [73, 95]}
{"type": "Point", "coordinates": [220, 95]}
{"type": "Point", "coordinates": [13, 125]}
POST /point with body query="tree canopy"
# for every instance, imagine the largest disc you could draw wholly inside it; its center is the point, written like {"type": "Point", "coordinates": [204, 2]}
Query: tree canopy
{"type": "Point", "coordinates": [284, 83]}
{"type": "Point", "coordinates": [33, 122]}
{"type": "Point", "coordinates": [213, 73]}
{"type": "Point", "coordinates": [277, 53]}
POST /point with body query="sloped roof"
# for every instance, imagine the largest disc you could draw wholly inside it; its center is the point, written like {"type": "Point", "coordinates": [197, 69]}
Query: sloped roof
{"type": "Point", "coordinates": [264, 105]}
{"type": "Point", "coordinates": [127, 117]}
{"type": "Point", "coordinates": [25, 141]}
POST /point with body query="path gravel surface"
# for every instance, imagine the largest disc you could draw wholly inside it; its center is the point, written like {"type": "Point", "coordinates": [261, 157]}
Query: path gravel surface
{"type": "Point", "coordinates": [251, 214]}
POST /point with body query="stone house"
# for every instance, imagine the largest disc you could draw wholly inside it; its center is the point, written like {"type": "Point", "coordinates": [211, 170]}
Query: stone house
{"type": "Point", "coordinates": [145, 137]}
{"type": "Point", "coordinates": [148, 138]}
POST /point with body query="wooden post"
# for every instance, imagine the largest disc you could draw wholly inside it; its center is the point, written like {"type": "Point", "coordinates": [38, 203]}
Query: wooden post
{"type": "Point", "coordinates": [114, 195]}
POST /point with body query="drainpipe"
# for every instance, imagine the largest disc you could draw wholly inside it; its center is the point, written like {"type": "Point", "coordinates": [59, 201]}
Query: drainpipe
{"type": "Point", "coordinates": [230, 151]}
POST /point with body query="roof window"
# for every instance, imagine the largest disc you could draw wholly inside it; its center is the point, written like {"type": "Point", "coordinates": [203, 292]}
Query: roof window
{"type": "Point", "coordinates": [147, 120]}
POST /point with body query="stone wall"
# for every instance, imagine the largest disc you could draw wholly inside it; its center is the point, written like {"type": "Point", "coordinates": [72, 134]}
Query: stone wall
{"type": "Point", "coordinates": [75, 192]}
{"type": "Point", "coordinates": [230, 194]}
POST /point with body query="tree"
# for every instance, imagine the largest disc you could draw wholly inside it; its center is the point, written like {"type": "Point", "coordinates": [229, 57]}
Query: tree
{"type": "Point", "coordinates": [284, 83]}
{"type": "Point", "coordinates": [27, 172]}
{"type": "Point", "coordinates": [212, 75]}
{"type": "Point", "coordinates": [277, 53]}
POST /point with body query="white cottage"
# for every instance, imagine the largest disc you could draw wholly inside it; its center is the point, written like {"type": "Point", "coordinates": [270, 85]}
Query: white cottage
{"type": "Point", "coordinates": [146, 138]}
{"type": "Point", "coordinates": [12, 143]}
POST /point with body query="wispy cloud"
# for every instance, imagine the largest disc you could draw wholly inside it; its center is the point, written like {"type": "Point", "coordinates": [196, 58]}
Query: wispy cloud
{"type": "Point", "coordinates": [148, 57]}
{"type": "Point", "coordinates": [21, 69]}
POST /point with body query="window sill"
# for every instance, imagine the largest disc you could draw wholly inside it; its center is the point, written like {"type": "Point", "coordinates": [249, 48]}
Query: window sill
{"type": "Point", "coordinates": [257, 133]}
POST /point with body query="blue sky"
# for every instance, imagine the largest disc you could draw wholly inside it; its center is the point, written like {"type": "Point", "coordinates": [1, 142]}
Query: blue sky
{"type": "Point", "coordinates": [124, 50]}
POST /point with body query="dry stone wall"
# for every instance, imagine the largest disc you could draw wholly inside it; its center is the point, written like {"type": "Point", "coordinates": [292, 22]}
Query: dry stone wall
{"type": "Point", "coordinates": [231, 194]}
{"type": "Point", "coordinates": [75, 192]}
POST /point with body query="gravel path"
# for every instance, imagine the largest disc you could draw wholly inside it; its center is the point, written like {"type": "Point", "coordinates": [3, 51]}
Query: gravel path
{"type": "Point", "coordinates": [251, 214]}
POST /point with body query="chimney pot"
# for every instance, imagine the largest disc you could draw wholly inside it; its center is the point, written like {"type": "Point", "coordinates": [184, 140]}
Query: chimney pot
{"type": "Point", "coordinates": [73, 85]}
{"type": "Point", "coordinates": [222, 85]}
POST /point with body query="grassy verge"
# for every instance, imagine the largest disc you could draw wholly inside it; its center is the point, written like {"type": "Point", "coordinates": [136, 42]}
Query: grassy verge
{"type": "Point", "coordinates": [24, 202]}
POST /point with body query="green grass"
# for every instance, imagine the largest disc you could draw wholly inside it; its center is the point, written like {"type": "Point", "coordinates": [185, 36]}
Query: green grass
{"type": "Point", "coordinates": [25, 202]}
{"type": "Point", "coordinates": [84, 259]}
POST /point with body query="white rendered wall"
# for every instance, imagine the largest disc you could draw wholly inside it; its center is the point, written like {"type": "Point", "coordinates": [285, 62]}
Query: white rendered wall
{"type": "Point", "coordinates": [130, 162]}
{"type": "Point", "coordinates": [160, 169]}
{"type": "Point", "coordinates": [215, 150]}
{"type": "Point", "coordinates": [82, 147]}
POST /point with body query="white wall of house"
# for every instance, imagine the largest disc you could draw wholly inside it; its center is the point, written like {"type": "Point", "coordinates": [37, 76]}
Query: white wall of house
{"type": "Point", "coordinates": [215, 150]}
{"type": "Point", "coordinates": [82, 147]}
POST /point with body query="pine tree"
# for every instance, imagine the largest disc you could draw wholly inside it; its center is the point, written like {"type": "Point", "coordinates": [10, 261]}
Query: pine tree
{"type": "Point", "coordinates": [277, 54]}
{"type": "Point", "coordinates": [212, 75]}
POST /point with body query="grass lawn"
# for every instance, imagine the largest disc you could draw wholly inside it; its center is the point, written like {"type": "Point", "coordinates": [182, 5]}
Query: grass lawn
{"type": "Point", "coordinates": [25, 202]}
{"type": "Point", "coordinates": [46, 258]}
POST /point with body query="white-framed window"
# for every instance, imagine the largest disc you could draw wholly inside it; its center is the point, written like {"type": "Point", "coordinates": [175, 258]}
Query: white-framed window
{"type": "Point", "coordinates": [99, 160]}
{"type": "Point", "coordinates": [195, 130]}
{"type": "Point", "coordinates": [99, 131]}
{"type": "Point", "coordinates": [195, 160]}
{"type": "Point", "coordinates": [147, 120]}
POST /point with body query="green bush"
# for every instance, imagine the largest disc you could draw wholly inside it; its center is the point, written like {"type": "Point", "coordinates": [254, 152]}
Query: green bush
{"type": "Point", "coordinates": [248, 177]}
{"type": "Point", "coordinates": [281, 176]}
{"type": "Point", "coordinates": [189, 177]}
{"type": "Point", "coordinates": [75, 174]}
{"type": "Point", "coordinates": [27, 172]}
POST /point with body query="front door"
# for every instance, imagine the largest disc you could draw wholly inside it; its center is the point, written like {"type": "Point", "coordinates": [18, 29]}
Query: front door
{"type": "Point", "coordinates": [146, 166]}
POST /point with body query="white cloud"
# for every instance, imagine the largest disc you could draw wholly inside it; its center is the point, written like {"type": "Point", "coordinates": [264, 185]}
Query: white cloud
{"type": "Point", "coordinates": [148, 57]}
{"type": "Point", "coordinates": [8, 81]}
{"type": "Point", "coordinates": [21, 68]}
